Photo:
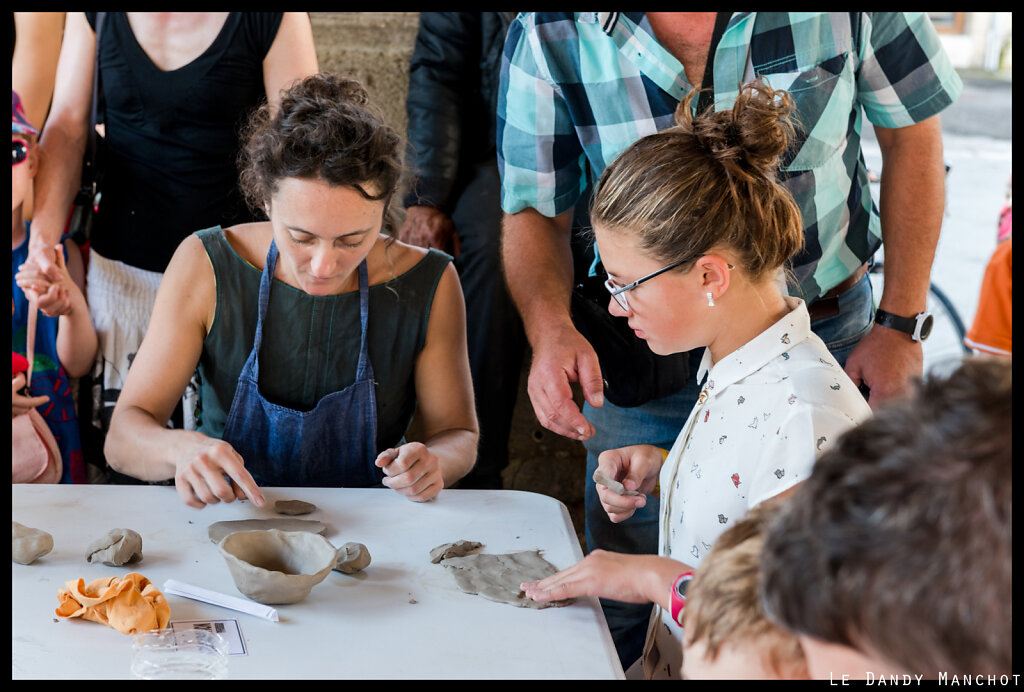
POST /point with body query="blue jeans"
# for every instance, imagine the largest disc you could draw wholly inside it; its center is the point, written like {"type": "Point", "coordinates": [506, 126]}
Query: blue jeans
{"type": "Point", "coordinates": [658, 422]}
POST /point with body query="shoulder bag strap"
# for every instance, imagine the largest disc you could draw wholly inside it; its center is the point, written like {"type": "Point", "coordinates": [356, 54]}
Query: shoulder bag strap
{"type": "Point", "coordinates": [94, 110]}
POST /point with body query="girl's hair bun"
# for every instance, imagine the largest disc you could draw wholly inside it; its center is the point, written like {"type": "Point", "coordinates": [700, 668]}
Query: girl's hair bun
{"type": "Point", "coordinates": [751, 136]}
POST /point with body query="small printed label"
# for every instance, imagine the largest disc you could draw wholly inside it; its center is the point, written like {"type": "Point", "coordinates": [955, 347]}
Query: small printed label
{"type": "Point", "coordinates": [226, 628]}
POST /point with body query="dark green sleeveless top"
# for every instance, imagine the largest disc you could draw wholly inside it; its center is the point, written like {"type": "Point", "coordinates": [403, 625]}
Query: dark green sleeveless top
{"type": "Point", "coordinates": [311, 343]}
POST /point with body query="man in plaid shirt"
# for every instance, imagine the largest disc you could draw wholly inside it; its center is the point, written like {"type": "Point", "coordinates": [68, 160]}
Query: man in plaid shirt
{"type": "Point", "coordinates": [579, 88]}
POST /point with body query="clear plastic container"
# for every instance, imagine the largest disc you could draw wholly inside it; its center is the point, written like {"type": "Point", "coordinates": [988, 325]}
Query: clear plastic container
{"type": "Point", "coordinates": [179, 655]}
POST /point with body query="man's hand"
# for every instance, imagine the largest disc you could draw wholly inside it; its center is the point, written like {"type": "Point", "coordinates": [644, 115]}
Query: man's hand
{"type": "Point", "coordinates": [563, 357]}
{"type": "Point", "coordinates": [885, 360]}
{"type": "Point", "coordinates": [429, 227]}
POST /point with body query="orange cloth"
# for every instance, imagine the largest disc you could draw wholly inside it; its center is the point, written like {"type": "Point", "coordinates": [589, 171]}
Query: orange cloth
{"type": "Point", "coordinates": [129, 604]}
{"type": "Point", "coordinates": [992, 331]}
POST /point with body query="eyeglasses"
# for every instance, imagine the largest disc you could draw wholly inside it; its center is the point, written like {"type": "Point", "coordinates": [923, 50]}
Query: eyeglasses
{"type": "Point", "coordinates": [619, 292]}
{"type": "Point", "coordinates": [19, 151]}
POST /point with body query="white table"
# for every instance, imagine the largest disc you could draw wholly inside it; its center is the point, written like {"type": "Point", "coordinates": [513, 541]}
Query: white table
{"type": "Point", "coordinates": [403, 617]}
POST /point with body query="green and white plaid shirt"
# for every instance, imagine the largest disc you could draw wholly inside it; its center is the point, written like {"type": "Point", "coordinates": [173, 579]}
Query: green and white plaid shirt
{"type": "Point", "coordinates": [578, 88]}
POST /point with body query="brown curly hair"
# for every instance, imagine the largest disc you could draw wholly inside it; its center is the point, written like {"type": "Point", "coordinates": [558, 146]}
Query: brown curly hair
{"type": "Point", "coordinates": [325, 128]}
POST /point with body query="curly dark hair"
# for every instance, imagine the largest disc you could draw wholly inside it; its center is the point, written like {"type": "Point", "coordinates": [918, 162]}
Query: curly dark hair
{"type": "Point", "coordinates": [325, 128]}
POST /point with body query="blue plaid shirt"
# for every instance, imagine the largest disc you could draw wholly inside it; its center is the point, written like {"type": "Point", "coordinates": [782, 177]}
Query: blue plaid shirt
{"type": "Point", "coordinates": [578, 88]}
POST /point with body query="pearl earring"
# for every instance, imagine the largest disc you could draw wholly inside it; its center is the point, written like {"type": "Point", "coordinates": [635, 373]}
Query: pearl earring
{"type": "Point", "coordinates": [711, 301]}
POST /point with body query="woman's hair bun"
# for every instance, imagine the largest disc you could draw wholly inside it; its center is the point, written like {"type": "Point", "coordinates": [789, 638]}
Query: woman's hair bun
{"type": "Point", "coordinates": [754, 133]}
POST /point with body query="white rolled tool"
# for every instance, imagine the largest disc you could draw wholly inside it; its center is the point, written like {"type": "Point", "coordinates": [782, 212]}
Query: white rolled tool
{"type": "Point", "coordinates": [198, 593]}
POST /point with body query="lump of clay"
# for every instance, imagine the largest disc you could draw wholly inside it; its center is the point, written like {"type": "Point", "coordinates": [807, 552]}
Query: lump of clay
{"type": "Point", "coordinates": [218, 530]}
{"type": "Point", "coordinates": [274, 567]}
{"type": "Point", "coordinates": [614, 486]}
{"type": "Point", "coordinates": [352, 558]}
{"type": "Point", "coordinates": [456, 549]}
{"type": "Point", "coordinates": [497, 577]}
{"type": "Point", "coordinates": [293, 507]}
{"type": "Point", "coordinates": [28, 544]}
{"type": "Point", "coordinates": [117, 547]}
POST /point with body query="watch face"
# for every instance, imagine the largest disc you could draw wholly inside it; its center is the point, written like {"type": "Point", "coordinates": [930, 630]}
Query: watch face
{"type": "Point", "coordinates": [926, 326]}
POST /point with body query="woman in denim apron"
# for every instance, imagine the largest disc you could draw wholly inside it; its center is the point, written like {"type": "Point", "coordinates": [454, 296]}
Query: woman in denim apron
{"type": "Point", "coordinates": [315, 336]}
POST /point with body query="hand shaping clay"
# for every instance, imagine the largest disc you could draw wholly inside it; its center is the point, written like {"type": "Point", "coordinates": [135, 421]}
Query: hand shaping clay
{"type": "Point", "coordinates": [28, 544]}
{"type": "Point", "coordinates": [352, 558]}
{"type": "Point", "coordinates": [497, 577]}
{"type": "Point", "coordinates": [614, 486]}
{"type": "Point", "coordinates": [218, 530]}
{"type": "Point", "coordinates": [293, 507]}
{"type": "Point", "coordinates": [456, 549]}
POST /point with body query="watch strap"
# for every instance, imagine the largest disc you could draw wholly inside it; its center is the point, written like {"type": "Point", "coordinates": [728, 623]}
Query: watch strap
{"type": "Point", "coordinates": [903, 324]}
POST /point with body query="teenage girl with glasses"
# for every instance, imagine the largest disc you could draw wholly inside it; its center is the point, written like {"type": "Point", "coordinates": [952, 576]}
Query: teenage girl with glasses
{"type": "Point", "coordinates": [694, 232]}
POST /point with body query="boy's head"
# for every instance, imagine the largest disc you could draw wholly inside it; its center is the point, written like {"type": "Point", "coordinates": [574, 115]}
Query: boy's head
{"type": "Point", "coordinates": [24, 138]}
{"type": "Point", "coordinates": [725, 632]}
{"type": "Point", "coordinates": [896, 554]}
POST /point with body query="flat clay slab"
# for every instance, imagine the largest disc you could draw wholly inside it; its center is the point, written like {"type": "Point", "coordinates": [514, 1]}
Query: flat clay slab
{"type": "Point", "coordinates": [218, 530]}
{"type": "Point", "coordinates": [293, 507]}
{"type": "Point", "coordinates": [614, 486]}
{"type": "Point", "coordinates": [456, 549]}
{"type": "Point", "coordinates": [497, 577]}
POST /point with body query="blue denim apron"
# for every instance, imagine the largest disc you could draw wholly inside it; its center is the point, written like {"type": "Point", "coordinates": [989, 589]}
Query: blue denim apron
{"type": "Point", "coordinates": [332, 445]}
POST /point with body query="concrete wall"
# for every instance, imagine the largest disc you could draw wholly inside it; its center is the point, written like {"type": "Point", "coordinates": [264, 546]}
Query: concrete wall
{"type": "Point", "coordinates": [375, 48]}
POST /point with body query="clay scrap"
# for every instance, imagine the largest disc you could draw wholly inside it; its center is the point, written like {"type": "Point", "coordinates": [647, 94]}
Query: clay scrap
{"type": "Point", "coordinates": [352, 558]}
{"type": "Point", "coordinates": [28, 544]}
{"type": "Point", "coordinates": [614, 486]}
{"type": "Point", "coordinates": [115, 548]}
{"type": "Point", "coordinates": [497, 577]}
{"type": "Point", "coordinates": [293, 507]}
{"type": "Point", "coordinates": [456, 549]}
{"type": "Point", "coordinates": [218, 530]}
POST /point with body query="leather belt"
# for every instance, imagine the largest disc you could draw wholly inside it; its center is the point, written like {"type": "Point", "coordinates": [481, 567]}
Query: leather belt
{"type": "Point", "coordinates": [828, 304]}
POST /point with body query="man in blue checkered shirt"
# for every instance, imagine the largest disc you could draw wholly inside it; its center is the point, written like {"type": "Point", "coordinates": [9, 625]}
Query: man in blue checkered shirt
{"type": "Point", "coordinates": [579, 88]}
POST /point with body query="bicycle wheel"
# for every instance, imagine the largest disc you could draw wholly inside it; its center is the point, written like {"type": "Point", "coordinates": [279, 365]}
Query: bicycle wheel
{"type": "Point", "coordinates": [944, 349]}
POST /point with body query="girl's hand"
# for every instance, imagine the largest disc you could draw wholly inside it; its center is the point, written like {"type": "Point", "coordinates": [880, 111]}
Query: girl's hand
{"type": "Point", "coordinates": [411, 470]}
{"type": "Point", "coordinates": [51, 287]}
{"type": "Point", "coordinates": [601, 573]}
{"type": "Point", "coordinates": [21, 404]}
{"type": "Point", "coordinates": [637, 467]}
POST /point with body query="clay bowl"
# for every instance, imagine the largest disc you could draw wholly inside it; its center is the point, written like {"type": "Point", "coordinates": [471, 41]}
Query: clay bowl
{"type": "Point", "coordinates": [275, 567]}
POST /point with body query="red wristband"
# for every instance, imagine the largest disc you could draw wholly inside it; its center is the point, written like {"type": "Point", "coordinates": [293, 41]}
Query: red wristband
{"type": "Point", "coordinates": [679, 596]}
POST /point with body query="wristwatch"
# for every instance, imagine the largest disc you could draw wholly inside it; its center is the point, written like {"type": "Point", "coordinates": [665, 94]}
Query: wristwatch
{"type": "Point", "coordinates": [918, 327]}
{"type": "Point", "coordinates": [679, 595]}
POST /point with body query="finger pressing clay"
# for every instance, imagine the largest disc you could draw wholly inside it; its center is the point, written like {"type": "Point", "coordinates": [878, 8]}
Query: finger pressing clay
{"type": "Point", "coordinates": [456, 549]}
{"type": "Point", "coordinates": [28, 544]}
{"type": "Point", "coordinates": [293, 507]}
{"type": "Point", "coordinates": [614, 486]}
{"type": "Point", "coordinates": [117, 547]}
{"type": "Point", "coordinates": [352, 558]}
{"type": "Point", "coordinates": [498, 577]}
